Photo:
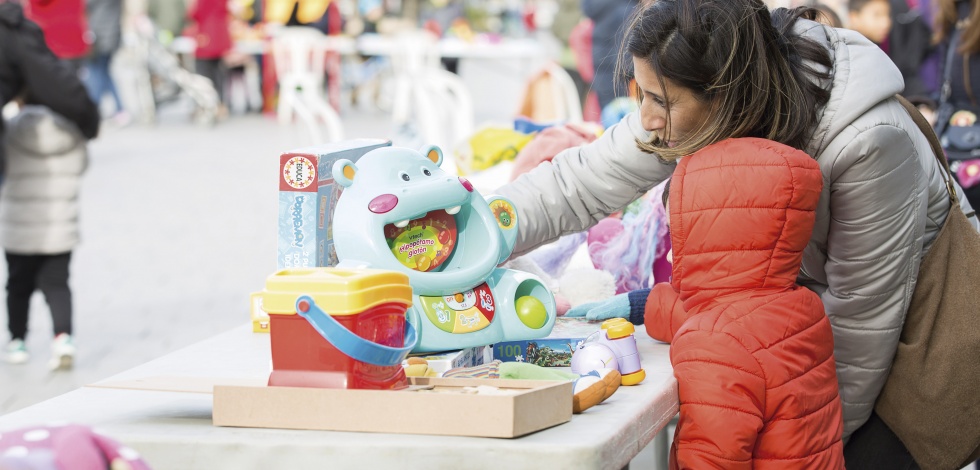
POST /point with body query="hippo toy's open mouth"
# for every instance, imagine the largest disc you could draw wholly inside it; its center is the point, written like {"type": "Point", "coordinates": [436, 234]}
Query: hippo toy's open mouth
{"type": "Point", "coordinates": [449, 210]}
{"type": "Point", "coordinates": [426, 242]}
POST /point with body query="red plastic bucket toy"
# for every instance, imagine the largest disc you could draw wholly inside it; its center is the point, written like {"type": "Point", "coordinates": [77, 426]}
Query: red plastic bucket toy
{"type": "Point", "coordinates": [369, 303]}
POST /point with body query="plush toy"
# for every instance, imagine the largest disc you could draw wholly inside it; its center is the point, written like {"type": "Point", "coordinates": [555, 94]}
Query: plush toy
{"type": "Point", "coordinates": [589, 389]}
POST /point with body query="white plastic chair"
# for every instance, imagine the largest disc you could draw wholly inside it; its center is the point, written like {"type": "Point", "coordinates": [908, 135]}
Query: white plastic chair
{"type": "Point", "coordinates": [438, 101]}
{"type": "Point", "coordinates": [300, 58]}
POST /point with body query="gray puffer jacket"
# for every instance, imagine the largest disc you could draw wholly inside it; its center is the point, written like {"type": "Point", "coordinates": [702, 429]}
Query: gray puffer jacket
{"type": "Point", "coordinates": [882, 205]}
{"type": "Point", "coordinates": [46, 156]}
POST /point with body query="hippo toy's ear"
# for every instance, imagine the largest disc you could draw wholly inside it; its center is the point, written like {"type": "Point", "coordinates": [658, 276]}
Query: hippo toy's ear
{"type": "Point", "coordinates": [343, 172]}
{"type": "Point", "coordinates": [432, 153]}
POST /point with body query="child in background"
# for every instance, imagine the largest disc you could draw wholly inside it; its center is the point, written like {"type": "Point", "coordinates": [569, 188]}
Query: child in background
{"type": "Point", "coordinates": [871, 18]}
{"type": "Point", "coordinates": [46, 156]}
{"type": "Point", "coordinates": [828, 16]}
{"type": "Point", "coordinates": [752, 351]}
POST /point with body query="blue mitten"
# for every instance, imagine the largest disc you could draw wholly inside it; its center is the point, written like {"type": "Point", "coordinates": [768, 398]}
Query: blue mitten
{"type": "Point", "coordinates": [629, 305]}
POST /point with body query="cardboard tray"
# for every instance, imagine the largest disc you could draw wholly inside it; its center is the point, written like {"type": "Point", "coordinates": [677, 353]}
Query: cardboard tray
{"type": "Point", "coordinates": [430, 406]}
{"type": "Point", "coordinates": [537, 405]}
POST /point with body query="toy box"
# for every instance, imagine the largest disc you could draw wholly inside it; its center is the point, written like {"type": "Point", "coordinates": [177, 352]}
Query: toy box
{"type": "Point", "coordinates": [307, 196]}
{"type": "Point", "coordinates": [444, 361]}
{"type": "Point", "coordinates": [446, 407]}
{"type": "Point", "coordinates": [555, 350]}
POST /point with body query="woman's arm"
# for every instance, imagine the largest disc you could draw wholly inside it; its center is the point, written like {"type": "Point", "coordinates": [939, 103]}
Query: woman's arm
{"type": "Point", "coordinates": [584, 184]}
{"type": "Point", "coordinates": [877, 222]}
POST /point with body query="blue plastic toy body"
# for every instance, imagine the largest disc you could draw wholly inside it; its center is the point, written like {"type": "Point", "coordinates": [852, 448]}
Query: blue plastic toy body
{"type": "Point", "coordinates": [399, 211]}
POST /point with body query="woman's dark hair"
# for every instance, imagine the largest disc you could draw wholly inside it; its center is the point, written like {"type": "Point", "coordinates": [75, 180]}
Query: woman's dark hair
{"type": "Point", "coordinates": [759, 79]}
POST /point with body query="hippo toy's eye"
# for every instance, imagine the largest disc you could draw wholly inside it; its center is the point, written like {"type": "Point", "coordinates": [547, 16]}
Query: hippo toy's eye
{"type": "Point", "coordinates": [404, 176]}
{"type": "Point", "coordinates": [426, 172]}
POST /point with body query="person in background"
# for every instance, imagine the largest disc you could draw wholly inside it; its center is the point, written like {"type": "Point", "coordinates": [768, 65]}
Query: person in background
{"type": "Point", "coordinates": [609, 18]}
{"type": "Point", "coordinates": [909, 44]}
{"type": "Point", "coordinates": [871, 18]}
{"type": "Point", "coordinates": [65, 27]}
{"type": "Point", "coordinates": [31, 72]}
{"type": "Point", "coordinates": [46, 155]}
{"type": "Point", "coordinates": [828, 16]}
{"type": "Point", "coordinates": [958, 27]}
{"type": "Point", "coordinates": [105, 19]}
{"type": "Point", "coordinates": [169, 16]}
{"type": "Point", "coordinates": [212, 27]}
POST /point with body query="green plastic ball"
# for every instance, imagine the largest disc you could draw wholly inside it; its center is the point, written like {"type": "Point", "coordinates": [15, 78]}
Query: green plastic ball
{"type": "Point", "coordinates": [531, 312]}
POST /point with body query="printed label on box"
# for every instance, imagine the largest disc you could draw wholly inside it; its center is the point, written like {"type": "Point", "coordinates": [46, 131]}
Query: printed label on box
{"type": "Point", "coordinates": [553, 351]}
{"type": "Point", "coordinates": [307, 198]}
{"type": "Point", "coordinates": [469, 357]}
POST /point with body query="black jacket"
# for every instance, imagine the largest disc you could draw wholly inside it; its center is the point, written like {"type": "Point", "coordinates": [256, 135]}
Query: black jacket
{"type": "Point", "coordinates": [27, 65]}
{"type": "Point", "coordinates": [909, 42]}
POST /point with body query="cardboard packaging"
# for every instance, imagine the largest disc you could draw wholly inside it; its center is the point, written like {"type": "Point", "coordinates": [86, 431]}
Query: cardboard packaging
{"type": "Point", "coordinates": [430, 406]}
{"type": "Point", "coordinates": [439, 363]}
{"type": "Point", "coordinates": [555, 350]}
{"type": "Point", "coordinates": [307, 197]}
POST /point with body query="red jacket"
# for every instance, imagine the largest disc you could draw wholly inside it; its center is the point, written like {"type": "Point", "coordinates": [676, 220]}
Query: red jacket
{"type": "Point", "coordinates": [212, 31]}
{"type": "Point", "coordinates": [752, 351]}
{"type": "Point", "coordinates": [64, 24]}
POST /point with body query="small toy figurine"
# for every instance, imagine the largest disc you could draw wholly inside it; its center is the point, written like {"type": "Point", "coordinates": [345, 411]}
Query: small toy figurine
{"type": "Point", "coordinates": [400, 212]}
{"type": "Point", "coordinates": [613, 346]}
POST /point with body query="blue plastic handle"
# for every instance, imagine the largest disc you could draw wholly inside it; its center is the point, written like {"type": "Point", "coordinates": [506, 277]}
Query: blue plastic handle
{"type": "Point", "coordinates": [350, 344]}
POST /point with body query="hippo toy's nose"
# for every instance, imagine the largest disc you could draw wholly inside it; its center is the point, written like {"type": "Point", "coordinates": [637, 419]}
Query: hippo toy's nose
{"type": "Point", "coordinates": [466, 184]}
{"type": "Point", "coordinates": [383, 203]}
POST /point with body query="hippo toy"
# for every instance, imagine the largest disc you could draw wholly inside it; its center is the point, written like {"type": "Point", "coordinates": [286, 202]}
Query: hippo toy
{"type": "Point", "coordinates": [399, 211]}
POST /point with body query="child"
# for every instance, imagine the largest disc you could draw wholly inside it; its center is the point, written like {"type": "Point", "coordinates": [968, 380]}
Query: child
{"type": "Point", "coordinates": [871, 18]}
{"type": "Point", "coordinates": [752, 351]}
{"type": "Point", "coordinates": [46, 156]}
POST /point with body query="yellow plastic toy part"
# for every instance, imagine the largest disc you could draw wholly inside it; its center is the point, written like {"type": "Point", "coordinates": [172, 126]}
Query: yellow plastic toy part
{"type": "Point", "coordinates": [617, 328]}
{"type": "Point", "coordinates": [336, 291]}
{"type": "Point", "coordinates": [634, 378]}
{"type": "Point", "coordinates": [260, 319]}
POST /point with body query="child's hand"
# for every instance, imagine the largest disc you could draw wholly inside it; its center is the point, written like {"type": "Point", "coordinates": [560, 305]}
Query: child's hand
{"type": "Point", "coordinates": [614, 307]}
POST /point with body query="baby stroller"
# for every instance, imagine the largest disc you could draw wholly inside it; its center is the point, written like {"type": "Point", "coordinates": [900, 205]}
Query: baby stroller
{"type": "Point", "coordinates": [164, 79]}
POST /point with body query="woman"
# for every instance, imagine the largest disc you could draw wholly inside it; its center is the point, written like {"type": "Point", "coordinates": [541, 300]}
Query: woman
{"type": "Point", "coordinates": [711, 70]}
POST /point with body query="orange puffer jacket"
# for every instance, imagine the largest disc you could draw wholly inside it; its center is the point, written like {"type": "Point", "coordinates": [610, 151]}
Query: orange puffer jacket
{"type": "Point", "coordinates": [752, 350]}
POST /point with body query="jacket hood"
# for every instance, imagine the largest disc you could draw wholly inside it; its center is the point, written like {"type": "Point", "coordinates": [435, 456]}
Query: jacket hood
{"type": "Point", "coordinates": [741, 213]}
{"type": "Point", "coordinates": [11, 14]}
{"type": "Point", "coordinates": [862, 76]}
{"type": "Point", "coordinates": [41, 132]}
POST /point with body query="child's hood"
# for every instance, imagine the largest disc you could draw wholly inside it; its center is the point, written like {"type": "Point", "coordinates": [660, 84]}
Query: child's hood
{"type": "Point", "coordinates": [741, 213]}
{"type": "Point", "coordinates": [38, 131]}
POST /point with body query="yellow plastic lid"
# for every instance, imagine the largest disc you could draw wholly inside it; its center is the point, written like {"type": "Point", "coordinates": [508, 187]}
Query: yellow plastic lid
{"type": "Point", "coordinates": [336, 291]}
{"type": "Point", "coordinates": [617, 328]}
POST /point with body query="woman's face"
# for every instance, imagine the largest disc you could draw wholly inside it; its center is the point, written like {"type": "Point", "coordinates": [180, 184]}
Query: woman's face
{"type": "Point", "coordinates": [687, 113]}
